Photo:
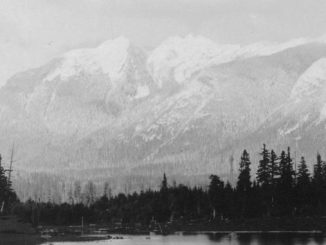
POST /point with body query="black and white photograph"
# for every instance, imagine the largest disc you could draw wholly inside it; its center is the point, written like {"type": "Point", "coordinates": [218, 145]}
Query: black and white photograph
{"type": "Point", "coordinates": [162, 122]}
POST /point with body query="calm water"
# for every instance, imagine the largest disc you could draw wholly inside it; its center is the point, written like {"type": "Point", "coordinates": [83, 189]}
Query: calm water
{"type": "Point", "coordinates": [210, 239]}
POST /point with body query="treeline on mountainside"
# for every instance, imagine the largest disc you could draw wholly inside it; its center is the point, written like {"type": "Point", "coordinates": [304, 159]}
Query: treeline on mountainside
{"type": "Point", "coordinates": [279, 189]}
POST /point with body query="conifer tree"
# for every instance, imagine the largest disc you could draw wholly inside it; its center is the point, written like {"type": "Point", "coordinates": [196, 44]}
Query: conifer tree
{"type": "Point", "coordinates": [303, 188]}
{"type": "Point", "coordinates": [6, 192]}
{"type": "Point", "coordinates": [303, 176]}
{"type": "Point", "coordinates": [244, 182]}
{"type": "Point", "coordinates": [323, 173]}
{"type": "Point", "coordinates": [274, 172]}
{"type": "Point", "coordinates": [274, 167]}
{"type": "Point", "coordinates": [164, 185]}
{"type": "Point", "coordinates": [286, 184]}
{"type": "Point", "coordinates": [282, 164]}
{"type": "Point", "coordinates": [229, 207]}
{"type": "Point", "coordinates": [215, 192]}
{"type": "Point", "coordinates": [244, 185]}
{"type": "Point", "coordinates": [286, 170]}
{"type": "Point", "coordinates": [163, 205]}
{"type": "Point", "coordinates": [263, 172]}
{"type": "Point", "coordinates": [318, 171]}
{"type": "Point", "coordinates": [3, 186]}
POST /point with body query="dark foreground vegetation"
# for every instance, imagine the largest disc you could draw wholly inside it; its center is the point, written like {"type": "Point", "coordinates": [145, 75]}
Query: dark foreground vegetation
{"type": "Point", "coordinates": [276, 198]}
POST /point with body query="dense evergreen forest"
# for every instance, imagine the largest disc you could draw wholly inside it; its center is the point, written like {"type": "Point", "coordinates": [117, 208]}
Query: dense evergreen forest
{"type": "Point", "coordinates": [8, 197]}
{"type": "Point", "coordinates": [278, 189]}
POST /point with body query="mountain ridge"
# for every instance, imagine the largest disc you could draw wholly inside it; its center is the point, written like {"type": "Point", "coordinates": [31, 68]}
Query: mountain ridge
{"type": "Point", "coordinates": [189, 115]}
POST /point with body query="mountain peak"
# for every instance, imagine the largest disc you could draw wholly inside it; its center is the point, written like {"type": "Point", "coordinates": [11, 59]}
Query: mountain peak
{"type": "Point", "coordinates": [119, 41]}
{"type": "Point", "coordinates": [108, 58]}
{"type": "Point", "coordinates": [177, 58]}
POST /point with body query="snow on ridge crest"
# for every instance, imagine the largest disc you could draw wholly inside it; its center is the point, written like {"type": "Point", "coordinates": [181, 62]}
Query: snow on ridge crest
{"type": "Point", "coordinates": [179, 58]}
{"type": "Point", "coordinates": [184, 55]}
{"type": "Point", "coordinates": [107, 58]}
{"type": "Point", "coordinates": [269, 48]}
{"type": "Point", "coordinates": [176, 59]}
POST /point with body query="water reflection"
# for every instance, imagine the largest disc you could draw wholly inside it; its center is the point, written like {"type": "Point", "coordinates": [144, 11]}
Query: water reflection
{"type": "Point", "coordinates": [218, 237]}
{"type": "Point", "coordinates": [214, 239]}
{"type": "Point", "coordinates": [268, 239]}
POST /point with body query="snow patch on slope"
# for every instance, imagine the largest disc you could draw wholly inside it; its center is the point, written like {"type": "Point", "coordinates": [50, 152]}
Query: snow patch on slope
{"type": "Point", "coordinates": [312, 81]}
{"type": "Point", "coordinates": [108, 58]}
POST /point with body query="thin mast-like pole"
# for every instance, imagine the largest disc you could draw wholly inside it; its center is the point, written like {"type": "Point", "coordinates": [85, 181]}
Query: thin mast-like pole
{"type": "Point", "coordinates": [11, 161]}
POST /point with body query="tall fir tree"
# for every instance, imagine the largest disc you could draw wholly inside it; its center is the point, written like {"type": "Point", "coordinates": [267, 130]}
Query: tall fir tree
{"type": "Point", "coordinates": [318, 170]}
{"type": "Point", "coordinates": [303, 176]}
{"type": "Point", "coordinates": [286, 183]}
{"type": "Point", "coordinates": [282, 164]}
{"type": "Point", "coordinates": [303, 188]}
{"type": "Point", "coordinates": [163, 205]}
{"type": "Point", "coordinates": [164, 185]}
{"type": "Point", "coordinates": [244, 188]}
{"type": "Point", "coordinates": [263, 172]}
{"type": "Point", "coordinates": [274, 167]}
{"type": "Point", "coordinates": [286, 169]}
{"type": "Point", "coordinates": [244, 182]}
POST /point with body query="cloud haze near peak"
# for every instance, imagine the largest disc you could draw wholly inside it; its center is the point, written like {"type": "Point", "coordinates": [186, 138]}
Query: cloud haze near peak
{"type": "Point", "coordinates": [34, 31]}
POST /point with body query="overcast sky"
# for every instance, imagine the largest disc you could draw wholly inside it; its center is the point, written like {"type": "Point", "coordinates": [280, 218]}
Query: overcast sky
{"type": "Point", "coordinates": [34, 31]}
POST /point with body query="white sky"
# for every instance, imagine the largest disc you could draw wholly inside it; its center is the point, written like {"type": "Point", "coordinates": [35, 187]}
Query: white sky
{"type": "Point", "coordinates": [34, 31]}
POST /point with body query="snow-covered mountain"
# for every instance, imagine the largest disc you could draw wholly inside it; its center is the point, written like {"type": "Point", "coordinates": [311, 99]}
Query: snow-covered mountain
{"type": "Point", "coordinates": [300, 121]}
{"type": "Point", "coordinates": [307, 100]}
{"type": "Point", "coordinates": [177, 58]}
{"type": "Point", "coordinates": [184, 107]}
{"type": "Point", "coordinates": [83, 90]}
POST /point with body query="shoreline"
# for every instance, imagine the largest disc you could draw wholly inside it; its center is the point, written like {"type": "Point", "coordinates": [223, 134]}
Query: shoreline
{"type": "Point", "coordinates": [253, 232]}
{"type": "Point", "coordinates": [36, 239]}
{"type": "Point", "coordinates": [28, 235]}
{"type": "Point", "coordinates": [247, 226]}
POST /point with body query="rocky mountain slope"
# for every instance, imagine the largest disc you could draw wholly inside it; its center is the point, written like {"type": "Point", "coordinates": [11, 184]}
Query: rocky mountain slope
{"type": "Point", "coordinates": [185, 107]}
{"type": "Point", "coordinates": [301, 121]}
